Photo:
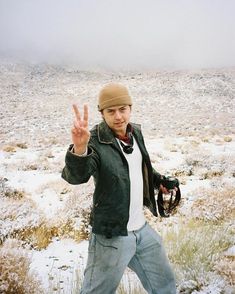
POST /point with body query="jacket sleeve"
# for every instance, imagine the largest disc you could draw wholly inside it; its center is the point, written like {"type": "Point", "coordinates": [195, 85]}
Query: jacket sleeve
{"type": "Point", "coordinates": [157, 179]}
{"type": "Point", "coordinates": [79, 169]}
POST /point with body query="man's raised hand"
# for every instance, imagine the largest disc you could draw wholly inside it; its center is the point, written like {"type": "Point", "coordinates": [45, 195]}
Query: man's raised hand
{"type": "Point", "coordinates": [80, 131]}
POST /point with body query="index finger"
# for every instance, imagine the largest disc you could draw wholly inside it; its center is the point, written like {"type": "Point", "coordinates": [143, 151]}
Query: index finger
{"type": "Point", "coordinates": [77, 113]}
{"type": "Point", "coordinates": [85, 116]}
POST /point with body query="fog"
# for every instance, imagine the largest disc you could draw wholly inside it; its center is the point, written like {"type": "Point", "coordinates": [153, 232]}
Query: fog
{"type": "Point", "coordinates": [117, 34]}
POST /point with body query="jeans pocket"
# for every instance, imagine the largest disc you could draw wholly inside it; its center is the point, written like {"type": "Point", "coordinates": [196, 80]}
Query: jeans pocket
{"type": "Point", "coordinates": [108, 251]}
{"type": "Point", "coordinates": [155, 235]}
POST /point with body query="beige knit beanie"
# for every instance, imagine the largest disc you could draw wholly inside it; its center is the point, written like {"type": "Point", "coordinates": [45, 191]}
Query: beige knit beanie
{"type": "Point", "coordinates": [113, 95]}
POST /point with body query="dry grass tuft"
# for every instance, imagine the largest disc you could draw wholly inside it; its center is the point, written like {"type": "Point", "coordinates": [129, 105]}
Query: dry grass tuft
{"type": "Point", "coordinates": [15, 274]}
{"type": "Point", "coordinates": [8, 192]}
{"type": "Point", "coordinates": [185, 171]}
{"type": "Point", "coordinates": [228, 139]}
{"type": "Point", "coordinates": [38, 237]}
{"type": "Point", "coordinates": [59, 186]}
{"type": "Point", "coordinates": [22, 145]}
{"type": "Point", "coordinates": [30, 166]}
{"type": "Point", "coordinates": [194, 249]}
{"type": "Point", "coordinates": [207, 166]}
{"type": "Point", "coordinates": [14, 193]}
{"type": "Point", "coordinates": [130, 284]}
{"type": "Point", "coordinates": [14, 146]}
{"type": "Point", "coordinates": [214, 204]}
{"type": "Point", "coordinates": [226, 267]}
{"type": "Point", "coordinates": [17, 216]}
{"type": "Point", "coordinates": [68, 230]}
{"type": "Point", "coordinates": [210, 174]}
{"type": "Point", "coordinates": [9, 149]}
{"type": "Point", "coordinates": [21, 221]}
{"type": "Point", "coordinates": [84, 228]}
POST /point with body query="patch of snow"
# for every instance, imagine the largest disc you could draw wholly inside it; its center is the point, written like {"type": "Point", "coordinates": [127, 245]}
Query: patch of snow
{"type": "Point", "coordinates": [57, 265]}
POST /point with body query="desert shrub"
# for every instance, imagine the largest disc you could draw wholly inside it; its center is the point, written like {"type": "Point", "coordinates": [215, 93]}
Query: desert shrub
{"type": "Point", "coordinates": [39, 164]}
{"type": "Point", "coordinates": [183, 170]}
{"type": "Point", "coordinates": [38, 237]}
{"type": "Point", "coordinates": [30, 166]}
{"type": "Point", "coordinates": [79, 199]}
{"type": "Point", "coordinates": [17, 216]}
{"type": "Point", "coordinates": [15, 274]}
{"type": "Point", "coordinates": [210, 174]}
{"type": "Point", "coordinates": [228, 139]}
{"type": "Point", "coordinates": [74, 217]}
{"type": "Point", "coordinates": [198, 158]}
{"type": "Point", "coordinates": [40, 161]}
{"type": "Point", "coordinates": [226, 267]}
{"type": "Point", "coordinates": [76, 228]}
{"type": "Point", "coordinates": [22, 145]}
{"type": "Point", "coordinates": [69, 229]}
{"type": "Point", "coordinates": [214, 204]}
{"type": "Point", "coordinates": [14, 193]}
{"type": "Point", "coordinates": [84, 226]}
{"type": "Point", "coordinates": [9, 148]}
{"type": "Point", "coordinates": [194, 249]}
{"type": "Point", "coordinates": [208, 166]}
{"type": "Point", "coordinates": [59, 186]}
{"type": "Point", "coordinates": [77, 209]}
{"type": "Point", "coordinates": [41, 235]}
{"type": "Point", "coordinates": [8, 192]}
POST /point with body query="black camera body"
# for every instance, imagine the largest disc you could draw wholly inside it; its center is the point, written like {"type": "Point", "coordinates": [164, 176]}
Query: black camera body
{"type": "Point", "coordinates": [170, 183]}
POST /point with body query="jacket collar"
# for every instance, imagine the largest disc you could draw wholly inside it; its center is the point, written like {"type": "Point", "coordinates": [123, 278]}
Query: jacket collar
{"type": "Point", "coordinates": [106, 136]}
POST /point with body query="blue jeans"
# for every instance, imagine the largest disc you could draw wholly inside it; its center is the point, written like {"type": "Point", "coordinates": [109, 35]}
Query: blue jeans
{"type": "Point", "coordinates": [142, 251]}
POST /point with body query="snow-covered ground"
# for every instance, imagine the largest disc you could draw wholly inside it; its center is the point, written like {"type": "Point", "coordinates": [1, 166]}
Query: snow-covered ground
{"type": "Point", "coordinates": [185, 116]}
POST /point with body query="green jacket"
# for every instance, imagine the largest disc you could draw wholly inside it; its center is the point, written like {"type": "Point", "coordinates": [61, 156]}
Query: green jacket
{"type": "Point", "coordinates": [108, 166]}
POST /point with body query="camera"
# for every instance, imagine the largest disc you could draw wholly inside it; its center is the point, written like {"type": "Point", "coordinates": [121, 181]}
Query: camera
{"type": "Point", "coordinates": [166, 206]}
{"type": "Point", "coordinates": [170, 183]}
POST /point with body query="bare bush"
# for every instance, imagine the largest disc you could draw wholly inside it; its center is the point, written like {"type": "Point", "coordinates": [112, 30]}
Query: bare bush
{"type": "Point", "coordinates": [17, 216]}
{"type": "Point", "coordinates": [226, 267]}
{"type": "Point", "coordinates": [228, 139]}
{"type": "Point", "coordinates": [15, 274]}
{"type": "Point", "coordinates": [38, 237]}
{"type": "Point", "coordinates": [9, 149]}
{"type": "Point", "coordinates": [22, 145]}
{"type": "Point", "coordinates": [8, 192]}
{"type": "Point", "coordinates": [59, 186]}
{"type": "Point", "coordinates": [206, 165]}
{"type": "Point", "coordinates": [214, 204]}
{"type": "Point", "coordinates": [194, 249]}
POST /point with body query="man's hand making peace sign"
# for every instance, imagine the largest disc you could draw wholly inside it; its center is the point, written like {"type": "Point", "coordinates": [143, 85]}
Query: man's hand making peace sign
{"type": "Point", "coordinates": [80, 131]}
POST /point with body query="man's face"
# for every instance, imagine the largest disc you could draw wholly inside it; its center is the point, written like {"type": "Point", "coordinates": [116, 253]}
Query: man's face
{"type": "Point", "coordinates": [117, 118]}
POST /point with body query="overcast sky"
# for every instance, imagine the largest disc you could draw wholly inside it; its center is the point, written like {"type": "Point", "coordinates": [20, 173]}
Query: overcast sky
{"type": "Point", "coordinates": [120, 33]}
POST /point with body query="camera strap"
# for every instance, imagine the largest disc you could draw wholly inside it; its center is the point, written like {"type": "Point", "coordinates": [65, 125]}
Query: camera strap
{"type": "Point", "coordinates": [166, 207]}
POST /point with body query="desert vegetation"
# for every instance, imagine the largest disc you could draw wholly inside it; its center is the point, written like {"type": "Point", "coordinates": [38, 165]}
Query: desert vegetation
{"type": "Point", "coordinates": [44, 222]}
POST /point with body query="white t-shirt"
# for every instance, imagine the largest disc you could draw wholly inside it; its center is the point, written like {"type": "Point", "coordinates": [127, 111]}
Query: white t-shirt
{"type": "Point", "coordinates": [136, 213]}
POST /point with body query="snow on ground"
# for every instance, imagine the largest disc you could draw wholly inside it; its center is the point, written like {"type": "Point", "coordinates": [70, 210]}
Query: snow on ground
{"type": "Point", "coordinates": [58, 264]}
{"type": "Point", "coordinates": [182, 114]}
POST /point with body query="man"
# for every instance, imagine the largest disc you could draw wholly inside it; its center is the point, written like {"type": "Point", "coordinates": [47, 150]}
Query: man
{"type": "Point", "coordinates": [114, 153]}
